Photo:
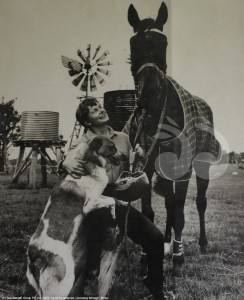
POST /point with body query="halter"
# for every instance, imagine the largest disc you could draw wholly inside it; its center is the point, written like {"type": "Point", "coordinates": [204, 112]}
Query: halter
{"type": "Point", "coordinates": [146, 65]}
{"type": "Point", "coordinates": [151, 30]}
{"type": "Point", "coordinates": [152, 65]}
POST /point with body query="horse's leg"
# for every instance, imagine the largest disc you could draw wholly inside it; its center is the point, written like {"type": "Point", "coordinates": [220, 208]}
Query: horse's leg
{"type": "Point", "coordinates": [179, 221]}
{"type": "Point", "coordinates": [146, 200]}
{"type": "Point", "coordinates": [169, 205]}
{"type": "Point", "coordinates": [202, 179]}
{"type": "Point", "coordinates": [146, 205]}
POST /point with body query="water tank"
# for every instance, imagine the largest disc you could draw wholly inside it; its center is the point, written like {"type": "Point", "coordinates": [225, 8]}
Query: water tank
{"type": "Point", "coordinates": [119, 104]}
{"type": "Point", "coordinates": [40, 125]}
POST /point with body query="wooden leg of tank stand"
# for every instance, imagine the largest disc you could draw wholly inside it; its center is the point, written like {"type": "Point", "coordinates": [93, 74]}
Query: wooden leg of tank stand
{"type": "Point", "coordinates": [44, 168]}
{"type": "Point", "coordinates": [32, 180]}
{"type": "Point", "coordinates": [22, 168]}
{"type": "Point", "coordinates": [48, 160]}
{"type": "Point", "coordinates": [58, 154]}
{"type": "Point", "coordinates": [20, 158]}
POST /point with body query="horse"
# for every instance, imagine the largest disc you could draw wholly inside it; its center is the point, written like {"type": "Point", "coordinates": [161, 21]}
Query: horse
{"type": "Point", "coordinates": [174, 128]}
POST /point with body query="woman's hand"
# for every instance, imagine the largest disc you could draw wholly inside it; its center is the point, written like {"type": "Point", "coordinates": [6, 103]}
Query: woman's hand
{"type": "Point", "coordinates": [74, 165]}
{"type": "Point", "coordinates": [136, 155]}
{"type": "Point", "coordinates": [139, 151]}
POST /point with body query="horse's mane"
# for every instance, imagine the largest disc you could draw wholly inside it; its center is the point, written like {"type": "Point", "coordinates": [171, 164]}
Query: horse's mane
{"type": "Point", "coordinates": [145, 24]}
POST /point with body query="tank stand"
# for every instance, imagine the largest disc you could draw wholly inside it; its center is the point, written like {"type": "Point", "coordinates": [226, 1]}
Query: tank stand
{"type": "Point", "coordinates": [37, 147]}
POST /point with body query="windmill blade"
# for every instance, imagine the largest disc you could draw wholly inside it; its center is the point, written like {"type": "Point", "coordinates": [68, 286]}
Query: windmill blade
{"type": "Point", "coordinates": [76, 66]}
{"type": "Point", "coordinates": [78, 79]}
{"type": "Point", "coordinates": [81, 55]}
{"type": "Point", "coordinates": [96, 52]}
{"type": "Point", "coordinates": [66, 61]}
{"type": "Point", "coordinates": [93, 85]}
{"type": "Point", "coordinates": [99, 78]}
{"type": "Point", "coordinates": [88, 59]}
{"type": "Point", "coordinates": [84, 84]}
{"type": "Point", "coordinates": [88, 50]}
{"type": "Point", "coordinates": [95, 81]}
{"type": "Point", "coordinates": [71, 64]}
{"type": "Point", "coordinates": [72, 72]}
{"type": "Point", "coordinates": [103, 56]}
{"type": "Point", "coordinates": [107, 63]}
{"type": "Point", "coordinates": [105, 72]}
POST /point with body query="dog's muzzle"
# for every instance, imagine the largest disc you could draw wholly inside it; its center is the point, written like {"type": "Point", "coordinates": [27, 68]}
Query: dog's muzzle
{"type": "Point", "coordinates": [117, 158]}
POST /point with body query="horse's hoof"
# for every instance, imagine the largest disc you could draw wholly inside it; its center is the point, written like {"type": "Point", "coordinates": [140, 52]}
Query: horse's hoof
{"type": "Point", "coordinates": [203, 243]}
{"type": "Point", "coordinates": [178, 259]}
{"type": "Point", "coordinates": [177, 270]}
{"type": "Point", "coordinates": [204, 250]}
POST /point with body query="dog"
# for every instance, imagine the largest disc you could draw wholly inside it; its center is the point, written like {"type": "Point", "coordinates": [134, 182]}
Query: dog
{"type": "Point", "coordinates": [56, 255]}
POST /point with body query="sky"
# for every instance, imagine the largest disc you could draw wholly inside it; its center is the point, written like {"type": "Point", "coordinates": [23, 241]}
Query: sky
{"type": "Point", "coordinates": [205, 53]}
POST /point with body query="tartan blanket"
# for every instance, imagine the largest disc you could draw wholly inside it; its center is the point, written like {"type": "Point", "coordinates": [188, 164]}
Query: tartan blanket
{"type": "Point", "coordinates": [179, 147]}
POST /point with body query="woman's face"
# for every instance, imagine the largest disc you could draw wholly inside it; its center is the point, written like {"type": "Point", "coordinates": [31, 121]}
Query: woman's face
{"type": "Point", "coordinates": [97, 115]}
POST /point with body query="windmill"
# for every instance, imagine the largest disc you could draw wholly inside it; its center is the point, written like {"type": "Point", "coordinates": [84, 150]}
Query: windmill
{"type": "Point", "coordinates": [89, 74]}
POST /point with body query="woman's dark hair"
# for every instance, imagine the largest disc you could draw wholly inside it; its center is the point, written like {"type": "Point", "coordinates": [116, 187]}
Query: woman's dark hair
{"type": "Point", "coordinates": [82, 111]}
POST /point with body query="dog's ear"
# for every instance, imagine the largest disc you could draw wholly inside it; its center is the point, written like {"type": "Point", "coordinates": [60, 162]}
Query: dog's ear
{"type": "Point", "coordinates": [95, 144]}
{"type": "Point", "coordinates": [92, 155]}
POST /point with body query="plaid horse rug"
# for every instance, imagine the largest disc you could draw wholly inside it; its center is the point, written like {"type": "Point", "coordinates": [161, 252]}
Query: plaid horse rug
{"type": "Point", "coordinates": [179, 147]}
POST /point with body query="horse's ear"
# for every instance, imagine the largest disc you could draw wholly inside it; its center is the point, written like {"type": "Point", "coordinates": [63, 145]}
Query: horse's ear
{"type": "Point", "coordinates": [133, 17]}
{"type": "Point", "coordinates": [162, 17]}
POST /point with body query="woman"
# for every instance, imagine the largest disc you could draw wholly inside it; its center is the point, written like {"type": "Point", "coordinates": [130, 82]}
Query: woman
{"type": "Point", "coordinates": [140, 230]}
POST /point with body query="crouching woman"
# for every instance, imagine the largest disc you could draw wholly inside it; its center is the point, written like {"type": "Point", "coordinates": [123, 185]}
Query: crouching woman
{"type": "Point", "coordinates": [140, 230]}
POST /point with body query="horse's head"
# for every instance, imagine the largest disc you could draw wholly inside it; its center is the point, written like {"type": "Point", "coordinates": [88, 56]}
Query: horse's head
{"type": "Point", "coordinates": [148, 57]}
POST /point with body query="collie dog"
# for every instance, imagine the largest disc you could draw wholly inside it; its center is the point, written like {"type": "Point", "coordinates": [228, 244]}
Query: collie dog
{"type": "Point", "coordinates": [56, 255]}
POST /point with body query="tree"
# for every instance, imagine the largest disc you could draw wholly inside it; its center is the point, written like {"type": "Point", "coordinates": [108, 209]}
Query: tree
{"type": "Point", "coordinates": [225, 157]}
{"type": "Point", "coordinates": [9, 129]}
{"type": "Point", "coordinates": [232, 157]}
{"type": "Point", "coordinates": [242, 157]}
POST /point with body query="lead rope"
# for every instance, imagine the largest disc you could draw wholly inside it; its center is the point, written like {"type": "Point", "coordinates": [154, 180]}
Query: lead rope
{"type": "Point", "coordinates": [145, 159]}
{"type": "Point", "coordinates": [140, 127]}
{"type": "Point", "coordinates": [159, 127]}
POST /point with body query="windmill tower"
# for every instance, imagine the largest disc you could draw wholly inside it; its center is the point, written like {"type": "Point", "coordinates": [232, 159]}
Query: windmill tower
{"type": "Point", "coordinates": [89, 75]}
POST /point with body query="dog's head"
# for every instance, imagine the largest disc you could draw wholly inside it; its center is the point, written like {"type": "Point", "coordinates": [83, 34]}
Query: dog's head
{"type": "Point", "coordinates": [102, 150]}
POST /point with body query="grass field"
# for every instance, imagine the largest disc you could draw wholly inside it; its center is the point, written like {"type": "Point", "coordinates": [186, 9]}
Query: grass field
{"type": "Point", "coordinates": [217, 275]}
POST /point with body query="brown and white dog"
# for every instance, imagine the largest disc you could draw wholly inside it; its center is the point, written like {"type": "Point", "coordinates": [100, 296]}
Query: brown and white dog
{"type": "Point", "coordinates": [56, 253]}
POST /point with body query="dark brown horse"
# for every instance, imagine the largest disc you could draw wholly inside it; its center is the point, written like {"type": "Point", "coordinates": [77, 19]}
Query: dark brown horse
{"type": "Point", "coordinates": [174, 128]}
